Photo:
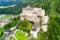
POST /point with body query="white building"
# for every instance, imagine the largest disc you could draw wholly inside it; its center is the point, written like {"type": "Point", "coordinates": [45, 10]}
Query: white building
{"type": "Point", "coordinates": [35, 15]}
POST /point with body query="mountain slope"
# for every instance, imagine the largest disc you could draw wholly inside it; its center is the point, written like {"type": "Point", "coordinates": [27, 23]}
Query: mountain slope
{"type": "Point", "coordinates": [4, 3]}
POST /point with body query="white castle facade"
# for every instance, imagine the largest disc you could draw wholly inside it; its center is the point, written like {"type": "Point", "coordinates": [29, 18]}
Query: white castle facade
{"type": "Point", "coordinates": [35, 15]}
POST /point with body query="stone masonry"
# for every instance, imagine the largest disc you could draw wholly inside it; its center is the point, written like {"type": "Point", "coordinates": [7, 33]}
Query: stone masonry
{"type": "Point", "coordinates": [34, 15]}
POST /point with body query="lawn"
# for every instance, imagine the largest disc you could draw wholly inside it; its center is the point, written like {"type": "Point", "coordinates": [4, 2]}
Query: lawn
{"type": "Point", "coordinates": [20, 35]}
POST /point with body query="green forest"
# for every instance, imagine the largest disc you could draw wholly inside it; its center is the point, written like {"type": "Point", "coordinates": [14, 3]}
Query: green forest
{"type": "Point", "coordinates": [52, 8]}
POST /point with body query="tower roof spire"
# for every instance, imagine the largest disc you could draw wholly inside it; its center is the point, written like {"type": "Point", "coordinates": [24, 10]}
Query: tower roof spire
{"type": "Point", "coordinates": [28, 6]}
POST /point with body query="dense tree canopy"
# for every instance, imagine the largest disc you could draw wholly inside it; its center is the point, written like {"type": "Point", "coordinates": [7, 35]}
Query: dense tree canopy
{"type": "Point", "coordinates": [25, 25]}
{"type": "Point", "coordinates": [20, 35]}
{"type": "Point", "coordinates": [52, 8]}
{"type": "Point", "coordinates": [12, 23]}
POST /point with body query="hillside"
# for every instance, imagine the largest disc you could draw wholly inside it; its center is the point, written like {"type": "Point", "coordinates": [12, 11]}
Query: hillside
{"type": "Point", "coordinates": [4, 3]}
{"type": "Point", "coordinates": [52, 8]}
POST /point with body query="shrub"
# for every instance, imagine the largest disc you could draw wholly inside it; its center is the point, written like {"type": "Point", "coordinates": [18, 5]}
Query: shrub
{"type": "Point", "coordinates": [20, 35]}
{"type": "Point", "coordinates": [25, 25]}
{"type": "Point", "coordinates": [11, 23]}
{"type": "Point", "coordinates": [1, 31]}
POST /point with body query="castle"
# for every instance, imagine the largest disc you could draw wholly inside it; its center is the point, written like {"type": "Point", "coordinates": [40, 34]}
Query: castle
{"type": "Point", "coordinates": [35, 15]}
